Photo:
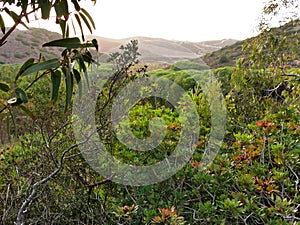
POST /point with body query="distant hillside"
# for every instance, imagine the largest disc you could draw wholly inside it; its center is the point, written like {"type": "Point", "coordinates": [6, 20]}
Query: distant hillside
{"type": "Point", "coordinates": [165, 51]}
{"type": "Point", "coordinates": [24, 44]}
{"type": "Point", "coordinates": [228, 55]}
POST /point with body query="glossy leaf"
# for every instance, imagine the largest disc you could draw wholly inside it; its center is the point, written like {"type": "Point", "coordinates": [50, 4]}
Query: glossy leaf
{"type": "Point", "coordinates": [2, 24]}
{"type": "Point", "coordinates": [4, 87]}
{"type": "Point", "coordinates": [49, 64]}
{"type": "Point", "coordinates": [66, 43]}
{"type": "Point", "coordinates": [56, 80]}
{"type": "Point", "coordinates": [21, 94]}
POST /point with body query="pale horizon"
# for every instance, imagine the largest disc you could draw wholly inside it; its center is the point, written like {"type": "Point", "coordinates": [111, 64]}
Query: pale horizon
{"type": "Point", "coordinates": [190, 20]}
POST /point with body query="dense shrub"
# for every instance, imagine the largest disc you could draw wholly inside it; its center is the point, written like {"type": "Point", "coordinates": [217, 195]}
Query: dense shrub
{"type": "Point", "coordinates": [188, 65]}
{"type": "Point", "coordinates": [19, 55]}
{"type": "Point", "coordinates": [253, 180]}
{"type": "Point", "coordinates": [223, 59]}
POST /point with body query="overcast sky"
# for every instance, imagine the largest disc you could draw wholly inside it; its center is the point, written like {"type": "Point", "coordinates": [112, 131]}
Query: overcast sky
{"type": "Point", "coordinates": [186, 20]}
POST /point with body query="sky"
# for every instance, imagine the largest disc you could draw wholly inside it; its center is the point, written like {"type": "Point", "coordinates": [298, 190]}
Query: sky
{"type": "Point", "coordinates": [183, 20]}
{"type": "Point", "coordinates": [186, 20]}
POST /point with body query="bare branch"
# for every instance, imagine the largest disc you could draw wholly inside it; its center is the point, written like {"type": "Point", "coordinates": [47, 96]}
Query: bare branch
{"type": "Point", "coordinates": [297, 178]}
{"type": "Point", "coordinates": [23, 209]}
{"type": "Point", "coordinates": [104, 181]}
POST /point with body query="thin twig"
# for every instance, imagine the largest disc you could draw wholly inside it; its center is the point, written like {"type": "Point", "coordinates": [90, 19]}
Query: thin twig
{"type": "Point", "coordinates": [297, 178]}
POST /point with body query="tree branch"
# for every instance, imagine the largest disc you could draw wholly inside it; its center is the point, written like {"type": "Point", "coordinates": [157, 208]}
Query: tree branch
{"type": "Point", "coordinates": [23, 209]}
{"type": "Point", "coordinates": [104, 181]}
{"type": "Point", "coordinates": [17, 22]}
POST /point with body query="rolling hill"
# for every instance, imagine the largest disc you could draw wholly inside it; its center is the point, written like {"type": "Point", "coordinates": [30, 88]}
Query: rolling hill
{"type": "Point", "coordinates": [227, 55]}
{"type": "Point", "coordinates": [165, 51]}
{"type": "Point", "coordinates": [217, 53]}
{"type": "Point", "coordinates": [24, 44]}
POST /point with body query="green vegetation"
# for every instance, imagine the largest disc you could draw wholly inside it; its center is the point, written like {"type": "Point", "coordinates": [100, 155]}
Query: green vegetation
{"type": "Point", "coordinates": [188, 65]}
{"type": "Point", "coordinates": [254, 178]}
{"type": "Point", "coordinates": [228, 55]}
{"type": "Point", "coordinates": [20, 55]}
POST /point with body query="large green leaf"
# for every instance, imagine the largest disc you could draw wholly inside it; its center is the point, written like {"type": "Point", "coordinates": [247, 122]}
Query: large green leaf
{"type": "Point", "coordinates": [2, 24]}
{"type": "Point", "coordinates": [21, 94]}
{"type": "Point", "coordinates": [66, 43]}
{"type": "Point", "coordinates": [55, 79]}
{"type": "Point", "coordinates": [49, 64]}
{"type": "Point", "coordinates": [4, 87]}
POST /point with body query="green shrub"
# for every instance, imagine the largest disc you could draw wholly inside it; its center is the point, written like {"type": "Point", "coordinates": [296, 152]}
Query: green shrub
{"type": "Point", "coordinates": [19, 55]}
{"type": "Point", "coordinates": [35, 44]}
{"type": "Point", "coordinates": [19, 38]}
{"type": "Point", "coordinates": [188, 65]}
{"type": "Point", "coordinates": [223, 59]}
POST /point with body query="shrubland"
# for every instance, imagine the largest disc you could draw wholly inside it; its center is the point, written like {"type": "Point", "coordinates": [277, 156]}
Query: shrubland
{"type": "Point", "coordinates": [254, 178]}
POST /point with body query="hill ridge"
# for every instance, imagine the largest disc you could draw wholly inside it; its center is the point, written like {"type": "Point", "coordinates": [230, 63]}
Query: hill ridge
{"type": "Point", "coordinates": [23, 44]}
